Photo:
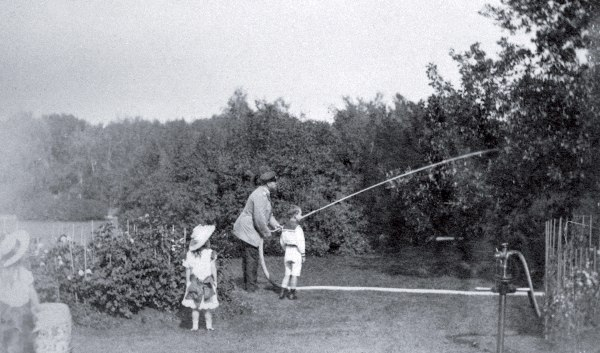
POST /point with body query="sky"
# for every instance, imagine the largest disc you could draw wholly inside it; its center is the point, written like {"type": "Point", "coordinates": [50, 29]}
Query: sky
{"type": "Point", "coordinates": [103, 60]}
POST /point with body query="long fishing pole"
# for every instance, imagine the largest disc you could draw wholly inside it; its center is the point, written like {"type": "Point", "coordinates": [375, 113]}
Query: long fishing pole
{"type": "Point", "coordinates": [468, 155]}
{"type": "Point", "coordinates": [445, 161]}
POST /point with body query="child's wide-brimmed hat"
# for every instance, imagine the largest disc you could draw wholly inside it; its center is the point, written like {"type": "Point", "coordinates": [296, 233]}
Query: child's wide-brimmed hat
{"type": "Point", "coordinates": [13, 247]}
{"type": "Point", "coordinates": [200, 235]}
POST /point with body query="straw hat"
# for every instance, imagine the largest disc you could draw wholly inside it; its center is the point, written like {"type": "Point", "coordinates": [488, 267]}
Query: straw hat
{"type": "Point", "coordinates": [15, 244]}
{"type": "Point", "coordinates": [200, 235]}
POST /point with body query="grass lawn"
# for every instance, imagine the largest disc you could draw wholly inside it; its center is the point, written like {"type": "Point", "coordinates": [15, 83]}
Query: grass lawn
{"type": "Point", "coordinates": [335, 321]}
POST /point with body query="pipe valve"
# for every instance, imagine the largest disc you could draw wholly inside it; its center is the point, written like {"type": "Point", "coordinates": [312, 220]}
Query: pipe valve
{"type": "Point", "coordinates": [504, 286]}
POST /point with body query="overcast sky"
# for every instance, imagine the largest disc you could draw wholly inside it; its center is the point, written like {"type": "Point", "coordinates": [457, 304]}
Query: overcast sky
{"type": "Point", "coordinates": [102, 60]}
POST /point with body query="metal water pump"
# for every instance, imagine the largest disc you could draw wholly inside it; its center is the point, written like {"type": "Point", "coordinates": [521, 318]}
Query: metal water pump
{"type": "Point", "coordinates": [504, 287]}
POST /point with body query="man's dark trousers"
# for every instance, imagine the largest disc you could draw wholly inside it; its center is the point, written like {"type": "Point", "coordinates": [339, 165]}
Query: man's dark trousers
{"type": "Point", "coordinates": [250, 267]}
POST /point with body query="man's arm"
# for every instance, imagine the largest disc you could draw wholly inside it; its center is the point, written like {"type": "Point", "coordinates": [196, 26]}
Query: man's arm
{"type": "Point", "coordinates": [273, 222]}
{"type": "Point", "coordinates": [260, 214]}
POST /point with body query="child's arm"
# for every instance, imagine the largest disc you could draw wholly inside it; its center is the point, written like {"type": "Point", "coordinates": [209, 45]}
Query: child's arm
{"type": "Point", "coordinates": [27, 278]}
{"type": "Point", "coordinates": [186, 264]}
{"type": "Point", "coordinates": [34, 299]}
{"type": "Point", "coordinates": [213, 266]}
{"type": "Point", "coordinates": [301, 243]}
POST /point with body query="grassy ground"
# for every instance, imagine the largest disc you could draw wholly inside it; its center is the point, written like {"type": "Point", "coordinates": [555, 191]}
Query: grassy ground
{"type": "Point", "coordinates": [331, 321]}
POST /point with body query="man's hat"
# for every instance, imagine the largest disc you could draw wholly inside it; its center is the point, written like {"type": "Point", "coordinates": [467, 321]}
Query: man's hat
{"type": "Point", "coordinates": [267, 177]}
{"type": "Point", "coordinates": [14, 244]}
{"type": "Point", "coordinates": [200, 235]}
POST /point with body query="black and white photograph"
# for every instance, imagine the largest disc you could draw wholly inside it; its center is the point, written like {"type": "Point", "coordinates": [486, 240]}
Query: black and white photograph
{"type": "Point", "coordinates": [352, 176]}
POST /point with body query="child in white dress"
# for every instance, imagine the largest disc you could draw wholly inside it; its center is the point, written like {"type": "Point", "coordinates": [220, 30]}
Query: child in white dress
{"type": "Point", "coordinates": [292, 240]}
{"type": "Point", "coordinates": [18, 299]}
{"type": "Point", "coordinates": [201, 277]}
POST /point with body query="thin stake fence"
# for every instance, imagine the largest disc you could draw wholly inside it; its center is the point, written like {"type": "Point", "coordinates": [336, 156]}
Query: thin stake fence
{"type": "Point", "coordinates": [77, 240]}
{"type": "Point", "coordinates": [571, 282]}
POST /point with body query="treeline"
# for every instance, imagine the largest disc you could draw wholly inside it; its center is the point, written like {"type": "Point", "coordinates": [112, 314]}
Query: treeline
{"type": "Point", "coordinates": [60, 167]}
{"type": "Point", "coordinates": [538, 106]}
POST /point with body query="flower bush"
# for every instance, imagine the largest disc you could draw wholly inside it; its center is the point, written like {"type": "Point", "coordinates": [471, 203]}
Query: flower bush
{"type": "Point", "coordinates": [124, 274]}
{"type": "Point", "coordinates": [55, 272]}
{"type": "Point", "coordinates": [574, 306]}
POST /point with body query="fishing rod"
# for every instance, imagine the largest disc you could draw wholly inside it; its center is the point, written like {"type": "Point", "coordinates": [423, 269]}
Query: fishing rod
{"type": "Point", "coordinates": [445, 161]}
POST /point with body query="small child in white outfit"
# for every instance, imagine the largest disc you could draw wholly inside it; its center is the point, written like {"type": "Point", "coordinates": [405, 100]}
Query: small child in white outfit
{"type": "Point", "coordinates": [201, 277]}
{"type": "Point", "coordinates": [292, 240]}
{"type": "Point", "coordinates": [19, 301]}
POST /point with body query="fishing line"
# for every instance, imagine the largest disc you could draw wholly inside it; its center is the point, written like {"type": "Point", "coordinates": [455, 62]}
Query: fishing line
{"type": "Point", "coordinates": [433, 165]}
{"type": "Point", "coordinates": [445, 161]}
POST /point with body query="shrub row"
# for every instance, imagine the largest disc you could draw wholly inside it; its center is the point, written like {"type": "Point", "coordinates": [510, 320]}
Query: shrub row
{"type": "Point", "coordinates": [119, 273]}
{"type": "Point", "coordinates": [575, 306]}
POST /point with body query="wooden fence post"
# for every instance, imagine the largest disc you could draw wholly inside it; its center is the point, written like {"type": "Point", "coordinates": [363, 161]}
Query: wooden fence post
{"type": "Point", "coordinates": [558, 253]}
{"type": "Point", "coordinates": [84, 244]}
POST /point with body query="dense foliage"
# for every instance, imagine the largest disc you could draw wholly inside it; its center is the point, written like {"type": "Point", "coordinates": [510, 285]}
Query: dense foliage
{"type": "Point", "coordinates": [120, 274]}
{"type": "Point", "coordinates": [537, 104]}
{"type": "Point", "coordinates": [574, 306]}
{"type": "Point", "coordinates": [186, 173]}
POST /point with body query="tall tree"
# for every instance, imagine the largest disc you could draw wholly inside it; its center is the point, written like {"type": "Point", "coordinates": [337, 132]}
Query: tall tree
{"type": "Point", "coordinates": [537, 105]}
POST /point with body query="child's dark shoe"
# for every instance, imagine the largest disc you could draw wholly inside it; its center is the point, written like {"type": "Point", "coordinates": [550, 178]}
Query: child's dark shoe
{"type": "Point", "coordinates": [292, 294]}
{"type": "Point", "coordinates": [283, 293]}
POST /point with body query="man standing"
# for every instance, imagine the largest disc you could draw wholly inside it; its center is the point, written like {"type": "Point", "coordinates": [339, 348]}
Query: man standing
{"type": "Point", "coordinates": [253, 225]}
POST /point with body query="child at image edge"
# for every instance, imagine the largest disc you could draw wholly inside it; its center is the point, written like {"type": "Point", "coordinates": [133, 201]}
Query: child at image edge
{"type": "Point", "coordinates": [292, 240]}
{"type": "Point", "coordinates": [201, 276]}
{"type": "Point", "coordinates": [19, 301]}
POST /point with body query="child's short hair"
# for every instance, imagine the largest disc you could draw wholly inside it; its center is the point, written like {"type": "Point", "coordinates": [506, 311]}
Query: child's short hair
{"type": "Point", "coordinates": [292, 211]}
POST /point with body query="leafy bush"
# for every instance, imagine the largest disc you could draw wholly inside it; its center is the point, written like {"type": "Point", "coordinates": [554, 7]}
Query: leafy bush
{"type": "Point", "coordinates": [229, 304]}
{"type": "Point", "coordinates": [126, 272]}
{"type": "Point", "coordinates": [574, 306]}
{"type": "Point", "coordinates": [53, 272]}
{"type": "Point", "coordinates": [136, 271]}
